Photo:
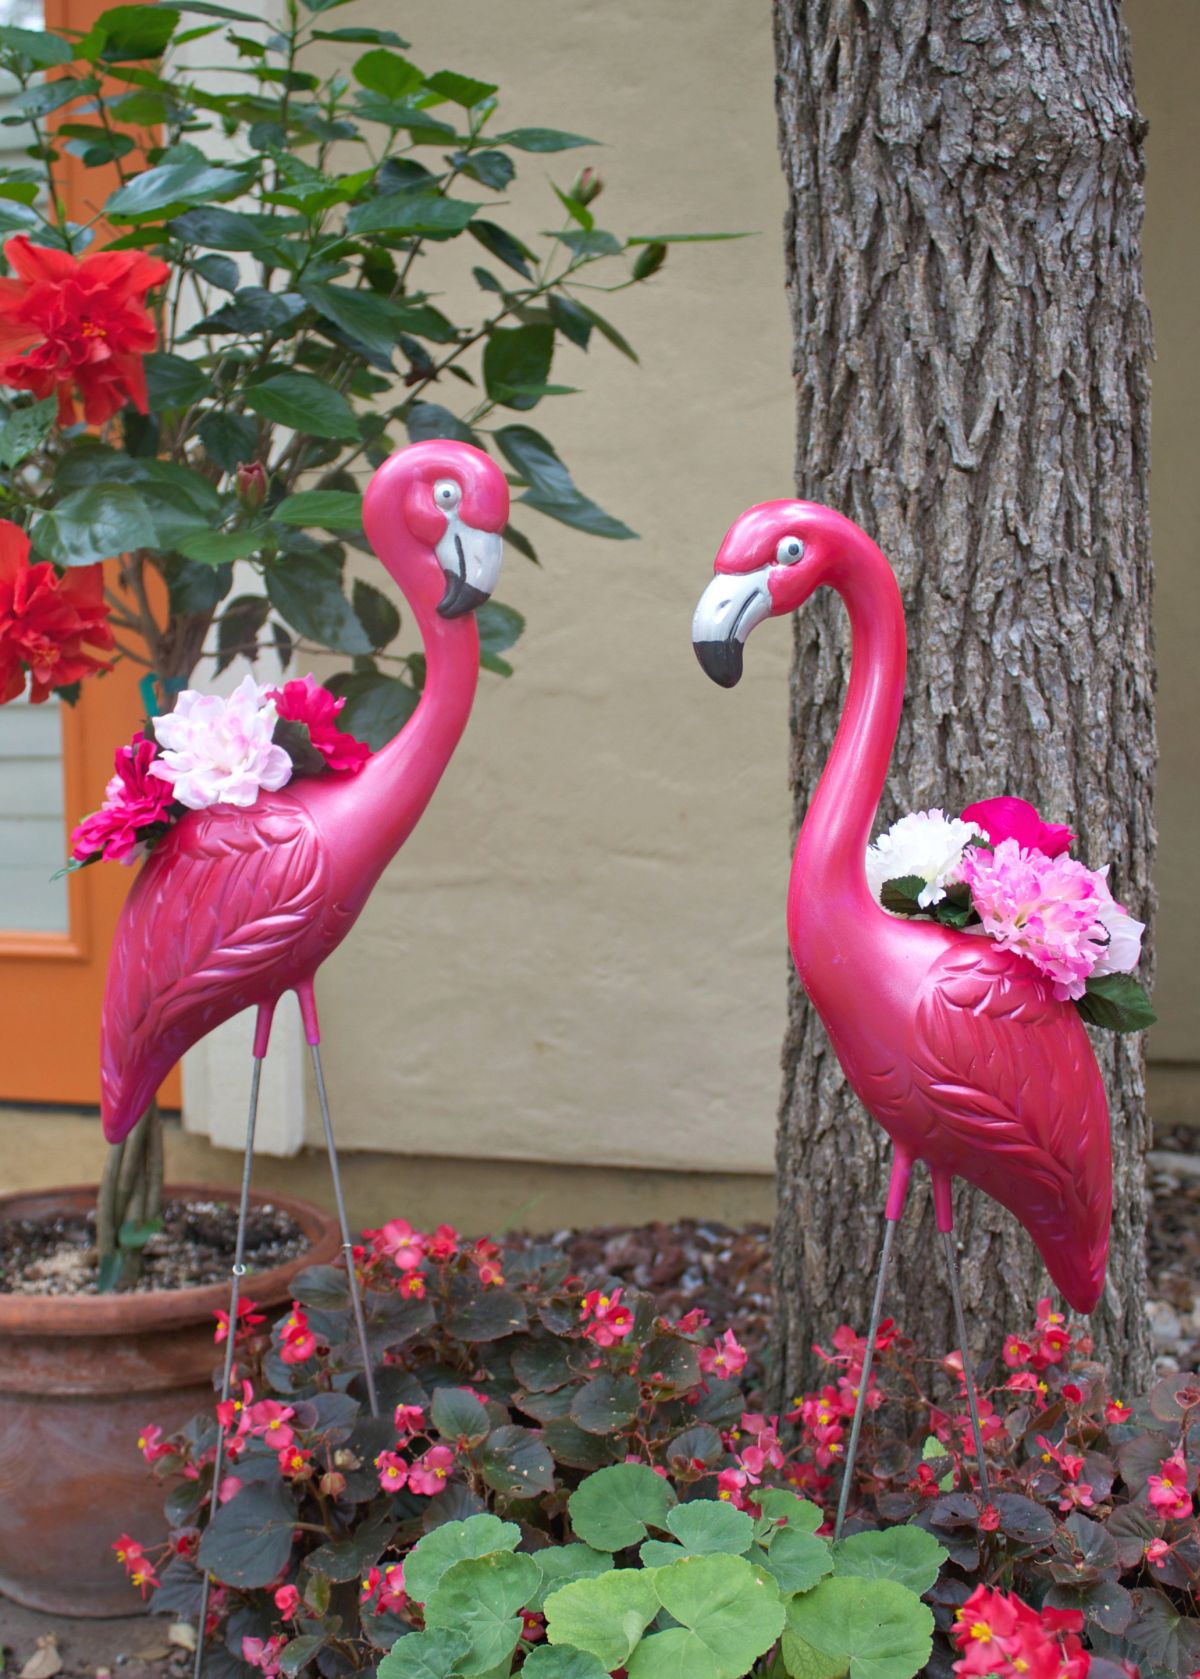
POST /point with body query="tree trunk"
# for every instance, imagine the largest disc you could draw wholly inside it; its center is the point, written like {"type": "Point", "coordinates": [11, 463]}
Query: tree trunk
{"type": "Point", "coordinates": [971, 349]}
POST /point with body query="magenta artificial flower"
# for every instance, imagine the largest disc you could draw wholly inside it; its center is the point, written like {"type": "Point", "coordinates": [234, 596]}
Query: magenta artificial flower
{"type": "Point", "coordinates": [1047, 909]}
{"type": "Point", "coordinates": [134, 800]}
{"type": "Point", "coordinates": [1008, 818]}
{"type": "Point", "coordinates": [305, 701]}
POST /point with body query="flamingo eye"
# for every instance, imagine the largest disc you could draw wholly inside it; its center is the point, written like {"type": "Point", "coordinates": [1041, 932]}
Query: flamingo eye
{"type": "Point", "coordinates": [447, 494]}
{"type": "Point", "coordinates": [789, 551]}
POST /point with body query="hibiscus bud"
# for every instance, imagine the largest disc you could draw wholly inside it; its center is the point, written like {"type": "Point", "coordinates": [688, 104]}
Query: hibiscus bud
{"type": "Point", "coordinates": [649, 260]}
{"type": "Point", "coordinates": [252, 485]}
{"type": "Point", "coordinates": [332, 1484]}
{"type": "Point", "coordinates": [588, 186]}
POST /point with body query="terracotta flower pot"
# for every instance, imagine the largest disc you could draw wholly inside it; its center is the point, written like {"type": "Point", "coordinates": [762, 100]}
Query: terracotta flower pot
{"type": "Point", "coordinates": [80, 1375]}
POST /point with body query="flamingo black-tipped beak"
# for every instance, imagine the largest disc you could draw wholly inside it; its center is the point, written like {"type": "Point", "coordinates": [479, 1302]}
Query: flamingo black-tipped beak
{"type": "Point", "coordinates": [726, 612]}
{"type": "Point", "coordinates": [471, 561]}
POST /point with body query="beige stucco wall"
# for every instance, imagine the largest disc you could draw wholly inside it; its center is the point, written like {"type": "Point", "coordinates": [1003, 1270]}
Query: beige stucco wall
{"type": "Point", "coordinates": [579, 956]}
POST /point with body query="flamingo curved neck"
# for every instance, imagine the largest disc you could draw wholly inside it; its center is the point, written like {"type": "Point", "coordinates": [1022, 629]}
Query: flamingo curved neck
{"type": "Point", "coordinates": [828, 880]}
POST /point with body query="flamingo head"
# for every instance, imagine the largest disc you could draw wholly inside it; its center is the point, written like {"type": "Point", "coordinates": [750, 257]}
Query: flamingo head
{"type": "Point", "coordinates": [454, 499]}
{"type": "Point", "coordinates": [771, 560]}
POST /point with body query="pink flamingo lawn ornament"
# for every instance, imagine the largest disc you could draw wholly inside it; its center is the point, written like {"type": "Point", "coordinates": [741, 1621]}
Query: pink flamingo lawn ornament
{"type": "Point", "coordinates": [236, 906]}
{"type": "Point", "coordinates": [956, 1047]}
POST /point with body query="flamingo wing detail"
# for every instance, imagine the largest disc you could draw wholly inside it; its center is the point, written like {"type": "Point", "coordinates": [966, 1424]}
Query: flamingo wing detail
{"type": "Point", "coordinates": [218, 908]}
{"type": "Point", "coordinates": [1015, 1104]}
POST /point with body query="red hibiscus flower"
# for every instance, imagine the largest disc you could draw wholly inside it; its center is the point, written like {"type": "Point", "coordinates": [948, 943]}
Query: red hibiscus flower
{"type": "Point", "coordinates": [1008, 818]}
{"type": "Point", "coordinates": [54, 624]}
{"type": "Point", "coordinates": [78, 327]}
{"type": "Point", "coordinates": [134, 800]}
{"type": "Point", "coordinates": [305, 701]}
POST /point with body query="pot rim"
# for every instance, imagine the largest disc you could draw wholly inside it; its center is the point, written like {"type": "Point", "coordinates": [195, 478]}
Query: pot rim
{"type": "Point", "coordinates": [157, 1309]}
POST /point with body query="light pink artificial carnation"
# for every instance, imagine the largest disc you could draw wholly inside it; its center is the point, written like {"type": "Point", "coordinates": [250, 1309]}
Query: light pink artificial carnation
{"type": "Point", "coordinates": [219, 751]}
{"type": "Point", "coordinates": [1047, 909]}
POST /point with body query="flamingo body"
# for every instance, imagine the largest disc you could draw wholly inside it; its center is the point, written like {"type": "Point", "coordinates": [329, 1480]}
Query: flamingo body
{"type": "Point", "coordinates": [958, 1048]}
{"type": "Point", "coordinates": [236, 906]}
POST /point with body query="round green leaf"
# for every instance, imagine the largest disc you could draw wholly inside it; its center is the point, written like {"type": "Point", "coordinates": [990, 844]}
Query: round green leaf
{"type": "Point", "coordinates": [605, 1616]}
{"type": "Point", "coordinates": [615, 1506]}
{"type": "Point", "coordinates": [482, 1598]}
{"type": "Point", "coordinates": [606, 1404]}
{"type": "Point", "coordinates": [249, 1540]}
{"type": "Point", "coordinates": [431, 1556]}
{"type": "Point", "coordinates": [728, 1616]}
{"type": "Point", "coordinates": [908, 1554]}
{"type": "Point", "coordinates": [797, 1559]}
{"type": "Point", "coordinates": [457, 1415]}
{"type": "Point", "coordinates": [560, 1564]}
{"type": "Point", "coordinates": [708, 1524]}
{"type": "Point", "coordinates": [515, 1462]}
{"type": "Point", "coordinates": [424, 1655]}
{"type": "Point", "coordinates": [875, 1629]}
{"type": "Point", "coordinates": [561, 1662]}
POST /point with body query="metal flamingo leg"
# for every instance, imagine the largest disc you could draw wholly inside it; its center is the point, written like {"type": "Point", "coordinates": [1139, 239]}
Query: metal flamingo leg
{"type": "Point", "coordinates": [901, 1171]}
{"type": "Point", "coordinates": [347, 1246]}
{"type": "Point", "coordinates": [235, 1290]}
{"type": "Point", "coordinates": [960, 1324]}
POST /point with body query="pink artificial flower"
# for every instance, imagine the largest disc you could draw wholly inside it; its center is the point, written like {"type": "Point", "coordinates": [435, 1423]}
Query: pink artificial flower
{"type": "Point", "coordinates": [134, 800]}
{"type": "Point", "coordinates": [430, 1472]}
{"type": "Point", "coordinates": [287, 1601]}
{"type": "Point", "coordinates": [405, 1245]}
{"type": "Point", "coordinates": [1168, 1490]}
{"type": "Point", "coordinates": [1046, 909]}
{"type": "Point", "coordinates": [305, 701]}
{"type": "Point", "coordinates": [393, 1471]}
{"type": "Point", "coordinates": [1123, 951]}
{"type": "Point", "coordinates": [269, 1420]}
{"type": "Point", "coordinates": [220, 751]}
{"type": "Point", "coordinates": [1008, 818]}
{"type": "Point", "coordinates": [611, 1321]}
{"type": "Point", "coordinates": [725, 1358]}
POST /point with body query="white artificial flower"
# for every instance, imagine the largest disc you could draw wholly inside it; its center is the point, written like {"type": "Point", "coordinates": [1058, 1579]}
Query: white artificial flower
{"type": "Point", "coordinates": [219, 751]}
{"type": "Point", "coordinates": [1124, 948]}
{"type": "Point", "coordinates": [926, 843]}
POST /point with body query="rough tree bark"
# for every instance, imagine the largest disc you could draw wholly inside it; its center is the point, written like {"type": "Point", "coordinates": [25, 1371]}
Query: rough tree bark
{"type": "Point", "coordinates": [971, 350]}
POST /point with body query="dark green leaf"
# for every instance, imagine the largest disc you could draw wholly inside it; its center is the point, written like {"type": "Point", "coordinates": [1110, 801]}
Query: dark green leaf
{"type": "Point", "coordinates": [572, 1446]}
{"type": "Point", "coordinates": [349, 1559]}
{"type": "Point", "coordinates": [492, 169]}
{"type": "Point", "coordinates": [377, 707]}
{"type": "Point", "coordinates": [591, 243]}
{"type": "Point", "coordinates": [499, 627]}
{"type": "Point", "coordinates": [173, 382]}
{"type": "Point", "coordinates": [249, 1540]}
{"type": "Point", "coordinates": [428, 419]}
{"type": "Point", "coordinates": [219, 271]}
{"type": "Point", "coordinates": [298, 1652]}
{"type": "Point", "coordinates": [363, 35]}
{"type": "Point", "coordinates": [516, 1462]}
{"type": "Point", "coordinates": [487, 1314]}
{"type": "Point", "coordinates": [514, 357]}
{"type": "Point", "coordinates": [428, 214]}
{"type": "Point", "coordinates": [1117, 1002]}
{"type": "Point", "coordinates": [387, 73]}
{"type": "Point", "coordinates": [323, 1287]}
{"type": "Point", "coordinates": [459, 1415]}
{"type": "Point", "coordinates": [193, 588]}
{"type": "Point", "coordinates": [462, 90]}
{"type": "Point", "coordinates": [125, 32]}
{"type": "Point", "coordinates": [229, 439]}
{"type": "Point", "coordinates": [542, 140]}
{"type": "Point", "coordinates": [683, 238]}
{"type": "Point", "coordinates": [900, 896]}
{"type": "Point", "coordinates": [306, 591]}
{"type": "Point", "coordinates": [237, 631]}
{"type": "Point", "coordinates": [521, 543]}
{"type": "Point", "coordinates": [231, 230]}
{"type": "Point", "coordinates": [36, 47]}
{"type": "Point", "coordinates": [374, 321]}
{"type": "Point", "coordinates": [253, 309]}
{"type": "Point", "coordinates": [607, 330]}
{"type": "Point", "coordinates": [305, 403]}
{"type": "Point", "coordinates": [551, 487]}
{"type": "Point", "coordinates": [376, 614]}
{"type": "Point", "coordinates": [333, 510]}
{"type": "Point", "coordinates": [571, 320]}
{"type": "Point", "coordinates": [504, 247]}
{"type": "Point", "coordinates": [94, 524]}
{"type": "Point", "coordinates": [171, 187]}
{"type": "Point", "coordinates": [649, 261]}
{"type": "Point", "coordinates": [607, 1404]}
{"type": "Point", "coordinates": [25, 429]}
{"type": "Point", "coordinates": [219, 548]}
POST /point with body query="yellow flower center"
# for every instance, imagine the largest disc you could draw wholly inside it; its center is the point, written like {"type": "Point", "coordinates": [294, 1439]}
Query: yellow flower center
{"type": "Point", "coordinates": [981, 1632]}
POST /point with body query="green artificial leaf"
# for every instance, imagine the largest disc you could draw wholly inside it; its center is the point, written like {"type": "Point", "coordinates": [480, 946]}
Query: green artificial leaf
{"type": "Point", "coordinates": [174, 382]}
{"type": "Point", "coordinates": [377, 707]}
{"type": "Point", "coordinates": [560, 1564]}
{"type": "Point", "coordinates": [217, 548]}
{"type": "Point", "coordinates": [908, 1554]}
{"type": "Point", "coordinates": [173, 187]}
{"type": "Point", "coordinates": [542, 140]}
{"type": "Point", "coordinates": [303, 402]}
{"type": "Point", "coordinates": [607, 1404]}
{"type": "Point", "coordinates": [703, 1525]}
{"type": "Point", "coordinates": [900, 895]}
{"type": "Point", "coordinates": [387, 73]}
{"type": "Point", "coordinates": [561, 1662]}
{"type": "Point", "coordinates": [728, 1615]}
{"type": "Point", "coordinates": [516, 1463]}
{"type": "Point", "coordinates": [606, 1615]}
{"type": "Point", "coordinates": [504, 246]}
{"type": "Point", "coordinates": [516, 357]}
{"type": "Point", "coordinates": [462, 90]}
{"type": "Point", "coordinates": [24, 430]}
{"type": "Point", "coordinates": [1116, 1002]}
{"type": "Point", "coordinates": [229, 439]}
{"type": "Point", "coordinates": [39, 49]}
{"type": "Point", "coordinates": [306, 591]}
{"type": "Point", "coordinates": [614, 1507]}
{"type": "Point", "coordinates": [459, 1415]}
{"type": "Point", "coordinates": [93, 524]}
{"type": "Point", "coordinates": [331, 510]}
{"type": "Point", "coordinates": [414, 212]}
{"type": "Point", "coordinates": [551, 488]}
{"type": "Point", "coordinates": [375, 613]}
{"type": "Point", "coordinates": [249, 1540]}
{"type": "Point", "coordinates": [453, 1542]}
{"type": "Point", "coordinates": [872, 1629]}
{"type": "Point", "coordinates": [482, 1597]}
{"type": "Point", "coordinates": [425, 1655]}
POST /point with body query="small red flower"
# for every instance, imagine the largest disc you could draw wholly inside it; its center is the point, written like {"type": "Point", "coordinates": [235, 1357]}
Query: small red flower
{"type": "Point", "coordinates": [78, 327]}
{"type": "Point", "coordinates": [305, 701]}
{"type": "Point", "coordinates": [54, 625]}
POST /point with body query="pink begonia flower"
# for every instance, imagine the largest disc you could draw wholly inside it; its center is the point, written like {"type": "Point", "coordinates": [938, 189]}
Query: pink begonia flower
{"type": "Point", "coordinates": [1008, 818]}
{"type": "Point", "coordinates": [1044, 908]}
{"type": "Point", "coordinates": [305, 701]}
{"type": "Point", "coordinates": [269, 1420]}
{"type": "Point", "coordinates": [264, 1653]}
{"type": "Point", "coordinates": [1168, 1490]}
{"type": "Point", "coordinates": [430, 1472]}
{"type": "Point", "coordinates": [726, 1358]}
{"type": "Point", "coordinates": [393, 1471]}
{"type": "Point", "coordinates": [287, 1601]}
{"type": "Point", "coordinates": [409, 1420]}
{"type": "Point", "coordinates": [134, 800]}
{"type": "Point", "coordinates": [1157, 1552]}
{"type": "Point", "coordinates": [405, 1245]}
{"type": "Point", "coordinates": [297, 1343]}
{"type": "Point", "coordinates": [219, 751]}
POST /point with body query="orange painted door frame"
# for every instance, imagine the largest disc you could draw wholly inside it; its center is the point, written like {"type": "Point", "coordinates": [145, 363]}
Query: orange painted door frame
{"type": "Point", "coordinates": [51, 984]}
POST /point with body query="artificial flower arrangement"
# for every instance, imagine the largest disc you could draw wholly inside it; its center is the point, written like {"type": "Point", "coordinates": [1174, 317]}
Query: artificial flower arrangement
{"type": "Point", "coordinates": [211, 750]}
{"type": "Point", "coordinates": [999, 870]}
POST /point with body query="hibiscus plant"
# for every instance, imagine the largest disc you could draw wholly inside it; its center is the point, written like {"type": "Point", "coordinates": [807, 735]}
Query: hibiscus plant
{"type": "Point", "coordinates": [195, 379]}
